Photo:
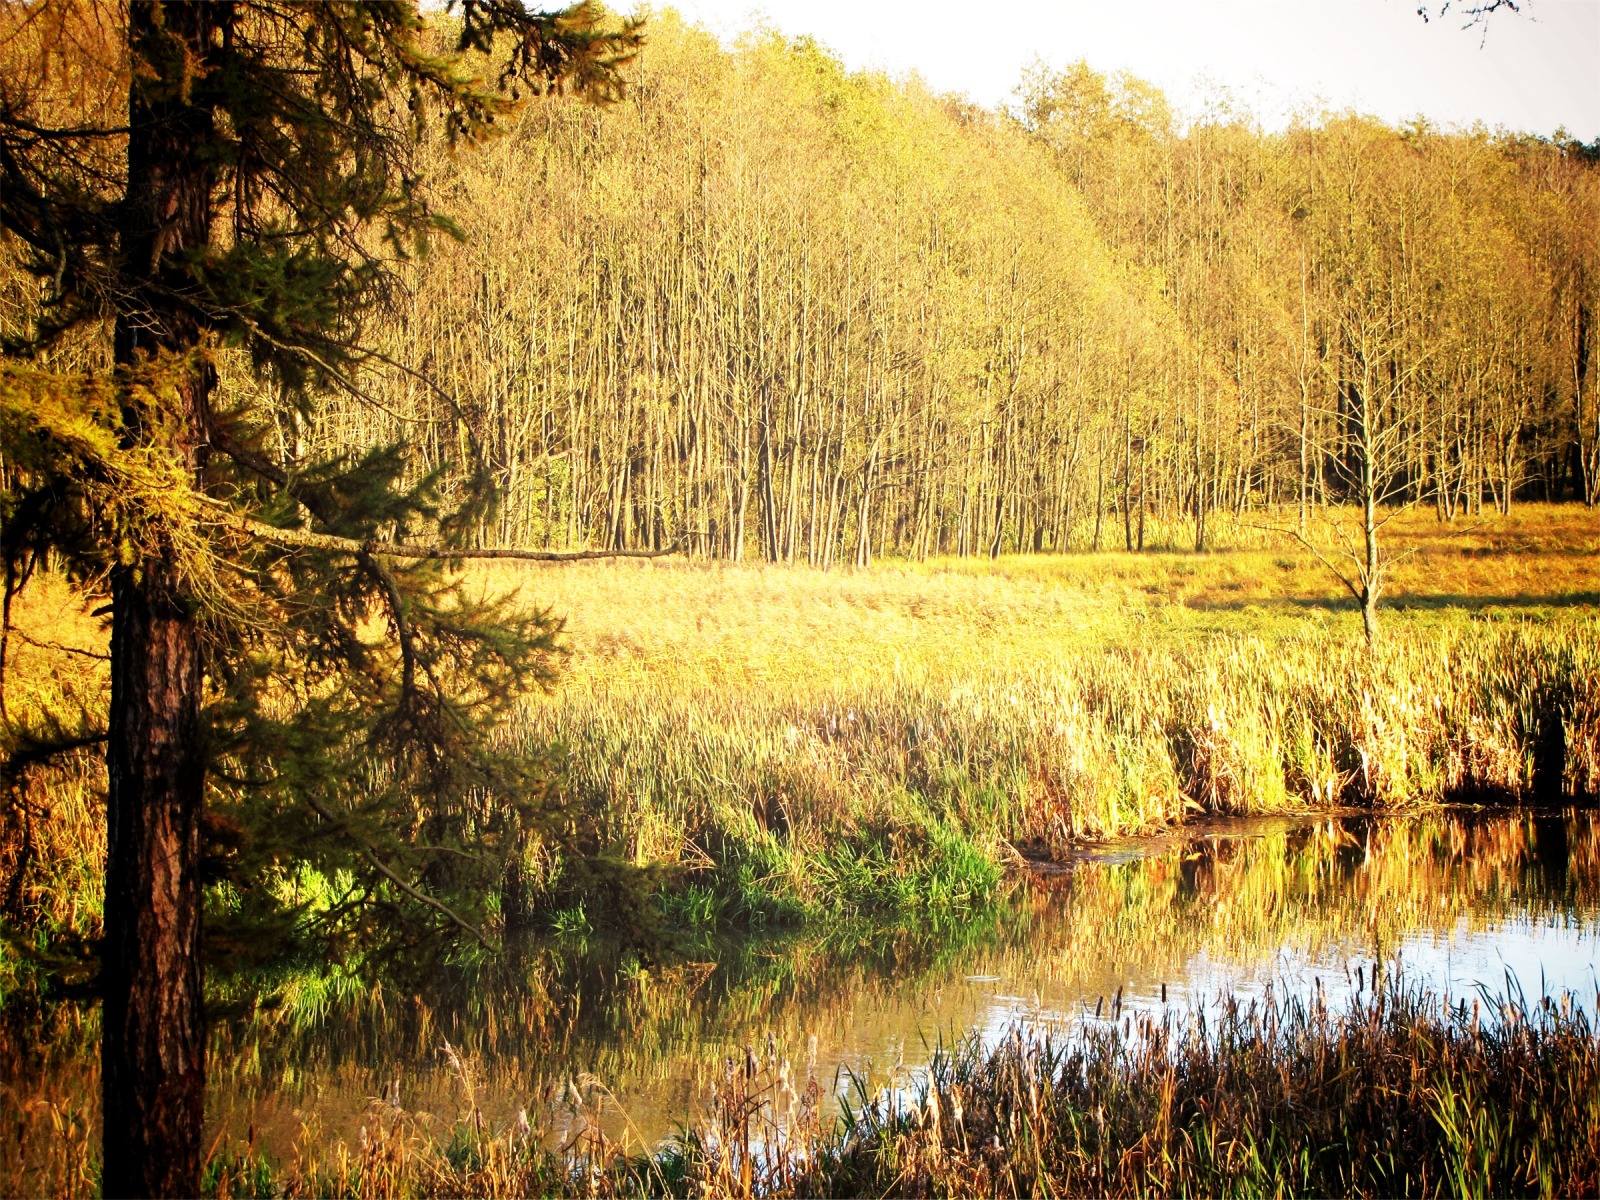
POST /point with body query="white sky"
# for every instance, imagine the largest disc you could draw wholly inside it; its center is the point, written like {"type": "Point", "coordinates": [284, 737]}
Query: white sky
{"type": "Point", "coordinates": [1533, 71]}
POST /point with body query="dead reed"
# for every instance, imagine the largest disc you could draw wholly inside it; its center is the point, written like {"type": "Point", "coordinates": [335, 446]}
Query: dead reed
{"type": "Point", "coordinates": [903, 789]}
{"type": "Point", "coordinates": [804, 742]}
{"type": "Point", "coordinates": [1402, 1093]}
{"type": "Point", "coordinates": [794, 743]}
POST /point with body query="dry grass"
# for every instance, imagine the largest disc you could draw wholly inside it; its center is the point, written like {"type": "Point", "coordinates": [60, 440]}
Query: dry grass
{"type": "Point", "coordinates": [52, 821]}
{"type": "Point", "coordinates": [886, 737]}
{"type": "Point", "coordinates": [1407, 1094]}
{"type": "Point", "coordinates": [716, 625]}
{"type": "Point", "coordinates": [828, 739]}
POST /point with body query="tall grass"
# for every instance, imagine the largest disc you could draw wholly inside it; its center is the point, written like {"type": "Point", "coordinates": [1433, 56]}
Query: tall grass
{"type": "Point", "coordinates": [52, 818]}
{"type": "Point", "coordinates": [896, 789]}
{"type": "Point", "coordinates": [882, 739]}
{"type": "Point", "coordinates": [793, 743]}
{"type": "Point", "coordinates": [1404, 1094]}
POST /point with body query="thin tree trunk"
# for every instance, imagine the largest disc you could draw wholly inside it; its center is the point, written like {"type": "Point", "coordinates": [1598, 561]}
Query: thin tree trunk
{"type": "Point", "coordinates": [1127, 481]}
{"type": "Point", "coordinates": [1367, 448]}
{"type": "Point", "coordinates": [1305, 400]}
{"type": "Point", "coordinates": [1099, 490]}
{"type": "Point", "coordinates": [1370, 579]}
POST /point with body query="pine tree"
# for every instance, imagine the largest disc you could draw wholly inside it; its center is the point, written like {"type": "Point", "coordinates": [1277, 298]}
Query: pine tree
{"type": "Point", "coordinates": [288, 689]}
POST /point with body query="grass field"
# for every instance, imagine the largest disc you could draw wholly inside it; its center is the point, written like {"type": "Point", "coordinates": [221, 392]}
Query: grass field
{"type": "Point", "coordinates": [884, 738]}
{"type": "Point", "coordinates": [717, 626]}
{"type": "Point", "coordinates": [798, 743]}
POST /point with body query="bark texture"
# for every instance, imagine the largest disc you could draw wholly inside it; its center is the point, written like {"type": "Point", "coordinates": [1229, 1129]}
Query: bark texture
{"type": "Point", "coordinates": [153, 1047]}
{"type": "Point", "coordinates": [154, 1036]}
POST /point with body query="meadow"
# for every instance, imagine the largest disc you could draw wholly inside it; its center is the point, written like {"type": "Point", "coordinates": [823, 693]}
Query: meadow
{"type": "Point", "coordinates": [765, 745]}
{"type": "Point", "coordinates": [887, 739]}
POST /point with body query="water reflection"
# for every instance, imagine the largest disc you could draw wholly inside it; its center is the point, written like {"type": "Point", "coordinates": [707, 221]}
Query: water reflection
{"type": "Point", "coordinates": [1455, 899]}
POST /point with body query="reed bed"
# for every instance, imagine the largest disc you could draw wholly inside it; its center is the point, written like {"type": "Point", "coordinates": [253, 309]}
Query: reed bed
{"type": "Point", "coordinates": [906, 788]}
{"type": "Point", "coordinates": [792, 744]}
{"type": "Point", "coordinates": [808, 743]}
{"type": "Point", "coordinates": [1403, 1093]}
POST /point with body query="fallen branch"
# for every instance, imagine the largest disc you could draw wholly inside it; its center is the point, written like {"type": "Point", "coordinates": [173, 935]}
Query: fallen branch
{"type": "Point", "coordinates": [328, 541]}
{"type": "Point", "coordinates": [343, 545]}
{"type": "Point", "coordinates": [1337, 571]}
{"type": "Point", "coordinates": [43, 645]}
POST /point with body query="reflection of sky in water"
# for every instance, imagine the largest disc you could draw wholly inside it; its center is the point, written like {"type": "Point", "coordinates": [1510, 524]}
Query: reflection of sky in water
{"type": "Point", "coordinates": [1231, 908]}
{"type": "Point", "coordinates": [1553, 956]}
{"type": "Point", "coordinates": [1499, 932]}
{"type": "Point", "coordinates": [1546, 956]}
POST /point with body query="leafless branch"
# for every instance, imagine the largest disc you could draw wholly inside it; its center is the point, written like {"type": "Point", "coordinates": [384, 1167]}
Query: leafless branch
{"type": "Point", "coordinates": [388, 873]}
{"type": "Point", "coordinates": [1332, 566]}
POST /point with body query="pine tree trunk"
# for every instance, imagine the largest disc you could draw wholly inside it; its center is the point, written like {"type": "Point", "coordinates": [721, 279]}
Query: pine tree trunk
{"type": "Point", "coordinates": [153, 1042]}
{"type": "Point", "coordinates": [153, 1048]}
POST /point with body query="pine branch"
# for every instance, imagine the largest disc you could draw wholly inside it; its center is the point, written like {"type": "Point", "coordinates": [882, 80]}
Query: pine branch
{"type": "Point", "coordinates": [388, 873]}
{"type": "Point", "coordinates": [31, 750]}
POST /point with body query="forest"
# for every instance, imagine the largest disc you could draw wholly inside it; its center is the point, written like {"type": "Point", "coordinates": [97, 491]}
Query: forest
{"type": "Point", "coordinates": [770, 309]}
{"type": "Point", "coordinates": [562, 578]}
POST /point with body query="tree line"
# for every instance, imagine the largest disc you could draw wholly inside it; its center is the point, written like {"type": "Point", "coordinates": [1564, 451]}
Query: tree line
{"type": "Point", "coordinates": [765, 307]}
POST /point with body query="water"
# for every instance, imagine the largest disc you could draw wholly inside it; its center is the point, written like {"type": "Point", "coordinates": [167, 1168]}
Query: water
{"type": "Point", "coordinates": [1454, 900]}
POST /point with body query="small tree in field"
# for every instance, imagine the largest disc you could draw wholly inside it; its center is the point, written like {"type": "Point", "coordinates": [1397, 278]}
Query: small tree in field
{"type": "Point", "coordinates": [1368, 452]}
{"type": "Point", "coordinates": [1363, 427]}
{"type": "Point", "coordinates": [293, 682]}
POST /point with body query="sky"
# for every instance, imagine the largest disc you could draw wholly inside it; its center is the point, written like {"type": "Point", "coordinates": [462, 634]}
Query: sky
{"type": "Point", "coordinates": [1532, 71]}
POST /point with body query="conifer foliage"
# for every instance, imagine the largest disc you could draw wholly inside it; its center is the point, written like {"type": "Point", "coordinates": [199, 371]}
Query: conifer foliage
{"type": "Point", "coordinates": [239, 179]}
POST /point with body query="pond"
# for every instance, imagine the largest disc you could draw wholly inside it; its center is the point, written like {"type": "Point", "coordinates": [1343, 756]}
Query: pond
{"type": "Point", "coordinates": [1460, 901]}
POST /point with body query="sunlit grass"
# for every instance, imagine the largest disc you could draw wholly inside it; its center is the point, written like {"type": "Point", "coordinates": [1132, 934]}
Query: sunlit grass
{"type": "Point", "coordinates": [716, 625]}
{"type": "Point", "coordinates": [1408, 1093]}
{"type": "Point", "coordinates": [759, 722]}
{"type": "Point", "coordinates": [885, 740]}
